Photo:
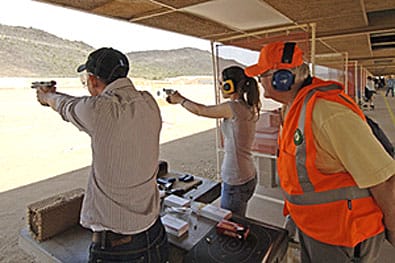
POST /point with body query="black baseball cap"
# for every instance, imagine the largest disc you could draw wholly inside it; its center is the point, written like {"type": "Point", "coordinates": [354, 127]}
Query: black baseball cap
{"type": "Point", "coordinates": [106, 63]}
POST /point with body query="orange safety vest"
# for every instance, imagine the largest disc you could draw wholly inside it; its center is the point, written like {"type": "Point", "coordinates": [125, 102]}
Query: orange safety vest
{"type": "Point", "coordinates": [327, 207]}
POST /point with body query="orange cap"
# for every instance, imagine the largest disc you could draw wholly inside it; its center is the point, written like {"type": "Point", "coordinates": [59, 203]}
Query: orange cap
{"type": "Point", "coordinates": [277, 55]}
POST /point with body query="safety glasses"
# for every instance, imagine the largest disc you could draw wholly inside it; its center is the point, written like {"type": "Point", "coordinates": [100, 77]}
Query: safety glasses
{"type": "Point", "coordinates": [84, 76]}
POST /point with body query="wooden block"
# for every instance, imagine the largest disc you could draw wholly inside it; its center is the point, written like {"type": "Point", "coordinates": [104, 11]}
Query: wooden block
{"type": "Point", "coordinates": [53, 215]}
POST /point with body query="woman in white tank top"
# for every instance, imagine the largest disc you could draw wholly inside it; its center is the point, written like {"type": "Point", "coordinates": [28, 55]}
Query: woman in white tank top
{"type": "Point", "coordinates": [239, 115]}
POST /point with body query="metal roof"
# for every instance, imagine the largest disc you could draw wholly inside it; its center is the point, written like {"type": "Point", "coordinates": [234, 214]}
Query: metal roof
{"type": "Point", "coordinates": [362, 29]}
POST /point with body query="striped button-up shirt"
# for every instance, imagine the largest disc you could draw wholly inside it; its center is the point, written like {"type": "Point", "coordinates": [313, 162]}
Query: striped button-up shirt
{"type": "Point", "coordinates": [124, 125]}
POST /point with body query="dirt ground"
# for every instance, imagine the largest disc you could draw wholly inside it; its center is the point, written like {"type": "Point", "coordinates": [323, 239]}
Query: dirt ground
{"type": "Point", "coordinates": [41, 155]}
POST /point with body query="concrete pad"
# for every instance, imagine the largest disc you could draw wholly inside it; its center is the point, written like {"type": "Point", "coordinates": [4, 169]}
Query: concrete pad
{"type": "Point", "coordinates": [72, 246]}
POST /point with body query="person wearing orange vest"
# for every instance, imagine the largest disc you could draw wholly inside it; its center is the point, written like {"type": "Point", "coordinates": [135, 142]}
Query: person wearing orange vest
{"type": "Point", "coordinates": [337, 179]}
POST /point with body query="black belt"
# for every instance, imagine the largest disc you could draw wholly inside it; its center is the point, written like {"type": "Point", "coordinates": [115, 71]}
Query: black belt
{"type": "Point", "coordinates": [110, 239]}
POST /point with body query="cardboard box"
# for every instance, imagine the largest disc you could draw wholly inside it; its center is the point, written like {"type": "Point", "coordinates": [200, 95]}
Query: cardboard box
{"type": "Point", "coordinates": [174, 225]}
{"type": "Point", "coordinates": [266, 141]}
{"type": "Point", "coordinates": [211, 211]}
{"type": "Point", "coordinates": [176, 201]}
{"type": "Point", "coordinates": [268, 119]}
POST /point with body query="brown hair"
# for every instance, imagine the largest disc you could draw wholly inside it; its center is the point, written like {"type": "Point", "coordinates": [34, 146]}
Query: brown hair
{"type": "Point", "coordinates": [245, 86]}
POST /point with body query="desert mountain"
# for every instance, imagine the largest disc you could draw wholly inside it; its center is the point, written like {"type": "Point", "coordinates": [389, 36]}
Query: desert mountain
{"type": "Point", "coordinates": [29, 52]}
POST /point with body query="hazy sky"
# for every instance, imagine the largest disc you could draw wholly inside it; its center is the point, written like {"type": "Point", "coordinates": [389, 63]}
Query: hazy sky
{"type": "Point", "coordinates": [96, 31]}
{"type": "Point", "coordinates": [99, 31]}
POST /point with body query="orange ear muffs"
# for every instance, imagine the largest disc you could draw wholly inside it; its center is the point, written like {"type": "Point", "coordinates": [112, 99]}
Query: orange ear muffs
{"type": "Point", "coordinates": [228, 87]}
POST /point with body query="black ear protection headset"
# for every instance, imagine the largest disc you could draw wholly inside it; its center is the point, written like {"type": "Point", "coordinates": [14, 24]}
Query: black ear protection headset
{"type": "Point", "coordinates": [283, 79]}
{"type": "Point", "coordinates": [228, 86]}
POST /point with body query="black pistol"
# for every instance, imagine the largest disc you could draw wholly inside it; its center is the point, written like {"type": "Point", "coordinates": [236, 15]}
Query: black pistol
{"type": "Point", "coordinates": [169, 91]}
{"type": "Point", "coordinates": [43, 84]}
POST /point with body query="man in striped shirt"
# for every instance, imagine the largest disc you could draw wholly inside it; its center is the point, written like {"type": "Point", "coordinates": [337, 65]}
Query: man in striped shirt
{"type": "Point", "coordinates": [121, 204]}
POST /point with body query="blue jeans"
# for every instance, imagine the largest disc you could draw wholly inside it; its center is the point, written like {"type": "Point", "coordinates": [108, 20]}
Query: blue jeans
{"type": "Point", "coordinates": [389, 89]}
{"type": "Point", "coordinates": [235, 197]}
{"type": "Point", "coordinates": [150, 246]}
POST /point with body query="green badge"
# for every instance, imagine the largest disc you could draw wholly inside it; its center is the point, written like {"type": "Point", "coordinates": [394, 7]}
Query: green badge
{"type": "Point", "coordinates": [298, 137]}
